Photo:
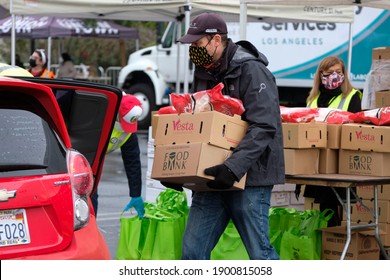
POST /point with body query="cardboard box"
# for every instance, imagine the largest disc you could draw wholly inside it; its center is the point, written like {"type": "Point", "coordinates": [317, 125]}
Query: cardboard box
{"type": "Point", "coordinates": [301, 161]}
{"type": "Point", "coordinates": [185, 163]}
{"type": "Point", "coordinates": [359, 213]}
{"type": "Point", "coordinates": [382, 98]}
{"type": "Point", "coordinates": [211, 127]}
{"type": "Point", "coordinates": [384, 232]}
{"type": "Point", "coordinates": [367, 192]}
{"type": "Point", "coordinates": [154, 123]}
{"type": "Point", "coordinates": [310, 204]}
{"type": "Point", "coordinates": [329, 161]}
{"type": "Point", "coordinates": [364, 163]}
{"type": "Point", "coordinates": [304, 135]}
{"type": "Point", "coordinates": [365, 137]}
{"type": "Point", "coordinates": [333, 136]}
{"type": "Point", "coordinates": [363, 245]}
{"type": "Point", "coordinates": [381, 53]}
{"type": "Point", "coordinates": [280, 199]}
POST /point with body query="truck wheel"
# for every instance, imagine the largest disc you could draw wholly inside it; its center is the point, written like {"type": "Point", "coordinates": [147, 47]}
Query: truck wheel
{"type": "Point", "coordinates": [145, 95]}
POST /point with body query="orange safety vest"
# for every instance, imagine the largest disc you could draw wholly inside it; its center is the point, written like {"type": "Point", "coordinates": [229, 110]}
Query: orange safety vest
{"type": "Point", "coordinates": [47, 74]}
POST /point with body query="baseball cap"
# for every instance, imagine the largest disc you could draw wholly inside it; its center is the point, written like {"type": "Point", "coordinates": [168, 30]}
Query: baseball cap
{"type": "Point", "coordinates": [202, 25]}
{"type": "Point", "coordinates": [129, 112]}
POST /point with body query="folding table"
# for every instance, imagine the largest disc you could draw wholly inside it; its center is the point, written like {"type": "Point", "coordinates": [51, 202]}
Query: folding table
{"type": "Point", "coordinates": [348, 182]}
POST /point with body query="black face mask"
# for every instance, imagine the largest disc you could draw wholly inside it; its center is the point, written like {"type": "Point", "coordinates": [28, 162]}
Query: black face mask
{"type": "Point", "coordinates": [32, 62]}
{"type": "Point", "coordinates": [200, 56]}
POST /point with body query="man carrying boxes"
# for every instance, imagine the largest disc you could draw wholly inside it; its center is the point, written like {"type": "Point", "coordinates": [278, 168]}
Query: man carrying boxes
{"type": "Point", "coordinates": [259, 155]}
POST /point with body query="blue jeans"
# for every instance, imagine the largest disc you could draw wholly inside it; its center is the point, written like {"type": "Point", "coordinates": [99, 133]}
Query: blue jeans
{"type": "Point", "coordinates": [210, 214]}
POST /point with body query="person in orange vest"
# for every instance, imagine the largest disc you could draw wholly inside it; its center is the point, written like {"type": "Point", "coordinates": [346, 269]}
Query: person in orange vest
{"type": "Point", "coordinates": [38, 65]}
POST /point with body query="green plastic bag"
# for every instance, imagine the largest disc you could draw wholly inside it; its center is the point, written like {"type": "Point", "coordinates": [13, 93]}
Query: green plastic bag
{"type": "Point", "coordinates": [159, 235]}
{"type": "Point", "coordinates": [229, 246]}
{"type": "Point", "coordinates": [281, 220]}
{"type": "Point", "coordinates": [164, 239]}
{"type": "Point", "coordinates": [131, 237]}
{"type": "Point", "coordinates": [304, 241]}
{"type": "Point", "coordinates": [294, 247]}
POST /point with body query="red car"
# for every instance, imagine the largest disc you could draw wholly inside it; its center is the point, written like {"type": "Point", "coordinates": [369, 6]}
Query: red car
{"type": "Point", "coordinates": [53, 139]}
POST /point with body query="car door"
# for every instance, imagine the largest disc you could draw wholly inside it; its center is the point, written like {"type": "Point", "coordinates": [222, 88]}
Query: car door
{"type": "Point", "coordinates": [89, 111]}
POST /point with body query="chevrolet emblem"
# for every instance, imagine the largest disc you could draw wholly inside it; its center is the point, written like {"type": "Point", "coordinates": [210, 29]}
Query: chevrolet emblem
{"type": "Point", "coordinates": [4, 195]}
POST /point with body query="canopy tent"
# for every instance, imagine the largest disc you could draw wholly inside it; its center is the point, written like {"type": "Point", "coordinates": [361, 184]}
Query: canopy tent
{"type": "Point", "coordinates": [160, 10]}
{"type": "Point", "coordinates": [36, 27]}
{"type": "Point", "coordinates": [153, 10]}
{"type": "Point", "coordinates": [308, 6]}
{"type": "Point", "coordinates": [379, 4]}
{"type": "Point", "coordinates": [3, 12]}
{"type": "Point", "coordinates": [48, 27]}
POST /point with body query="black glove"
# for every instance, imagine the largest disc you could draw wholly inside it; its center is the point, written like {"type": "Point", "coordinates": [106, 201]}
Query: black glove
{"type": "Point", "coordinates": [224, 177]}
{"type": "Point", "coordinates": [297, 191]}
{"type": "Point", "coordinates": [175, 186]}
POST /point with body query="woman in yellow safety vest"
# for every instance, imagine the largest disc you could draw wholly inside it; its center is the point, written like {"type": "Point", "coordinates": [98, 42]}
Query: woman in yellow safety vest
{"type": "Point", "coordinates": [331, 89]}
{"type": "Point", "coordinates": [37, 63]}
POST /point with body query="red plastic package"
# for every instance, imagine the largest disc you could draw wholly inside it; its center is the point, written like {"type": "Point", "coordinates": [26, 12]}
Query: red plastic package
{"type": "Point", "coordinates": [167, 110]}
{"type": "Point", "coordinates": [207, 100]}
{"type": "Point", "coordinates": [298, 114]}
{"type": "Point", "coordinates": [334, 116]}
{"type": "Point", "coordinates": [379, 116]}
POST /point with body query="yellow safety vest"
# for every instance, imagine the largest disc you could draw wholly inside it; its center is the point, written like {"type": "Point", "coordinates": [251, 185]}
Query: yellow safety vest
{"type": "Point", "coordinates": [117, 139]}
{"type": "Point", "coordinates": [338, 102]}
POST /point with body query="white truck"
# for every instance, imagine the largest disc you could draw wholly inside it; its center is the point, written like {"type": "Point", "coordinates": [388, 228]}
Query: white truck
{"type": "Point", "coordinates": [294, 50]}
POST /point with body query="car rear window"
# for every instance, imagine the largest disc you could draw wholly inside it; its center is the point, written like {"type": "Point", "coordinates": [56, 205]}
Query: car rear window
{"type": "Point", "coordinates": [28, 145]}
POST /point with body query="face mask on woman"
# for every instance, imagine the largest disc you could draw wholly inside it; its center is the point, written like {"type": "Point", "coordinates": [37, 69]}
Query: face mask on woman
{"type": "Point", "coordinates": [32, 62]}
{"type": "Point", "coordinates": [200, 56]}
{"type": "Point", "coordinates": [333, 80]}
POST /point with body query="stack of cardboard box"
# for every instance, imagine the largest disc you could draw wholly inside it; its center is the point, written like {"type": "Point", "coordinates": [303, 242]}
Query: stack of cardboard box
{"type": "Point", "coordinates": [360, 214]}
{"type": "Point", "coordinates": [365, 150]}
{"type": "Point", "coordinates": [186, 144]}
{"type": "Point", "coordinates": [302, 143]}
{"type": "Point", "coordinates": [377, 85]}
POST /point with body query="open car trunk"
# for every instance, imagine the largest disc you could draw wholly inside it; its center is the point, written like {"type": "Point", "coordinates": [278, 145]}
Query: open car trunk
{"type": "Point", "coordinates": [89, 111]}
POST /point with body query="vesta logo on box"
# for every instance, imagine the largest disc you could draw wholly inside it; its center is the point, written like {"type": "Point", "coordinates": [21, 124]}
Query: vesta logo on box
{"type": "Point", "coordinates": [364, 137]}
{"type": "Point", "coordinates": [360, 163]}
{"type": "Point", "coordinates": [361, 209]}
{"type": "Point", "coordinates": [175, 160]}
{"type": "Point", "coordinates": [179, 126]}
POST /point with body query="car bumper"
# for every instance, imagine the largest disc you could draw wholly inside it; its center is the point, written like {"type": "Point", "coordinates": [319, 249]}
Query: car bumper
{"type": "Point", "coordinates": [87, 244]}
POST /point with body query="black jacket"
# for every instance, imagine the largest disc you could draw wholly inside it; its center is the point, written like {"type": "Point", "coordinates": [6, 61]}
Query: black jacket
{"type": "Point", "coordinates": [243, 71]}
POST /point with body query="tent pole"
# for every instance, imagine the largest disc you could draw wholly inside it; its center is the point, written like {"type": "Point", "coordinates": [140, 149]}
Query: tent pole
{"type": "Point", "coordinates": [13, 39]}
{"type": "Point", "coordinates": [350, 45]}
{"type": "Point", "coordinates": [187, 12]}
{"type": "Point", "coordinates": [243, 20]}
{"type": "Point", "coordinates": [49, 53]}
{"type": "Point", "coordinates": [178, 34]}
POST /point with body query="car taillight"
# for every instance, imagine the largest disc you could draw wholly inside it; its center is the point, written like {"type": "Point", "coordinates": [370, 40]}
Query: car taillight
{"type": "Point", "coordinates": [81, 179]}
{"type": "Point", "coordinates": [80, 173]}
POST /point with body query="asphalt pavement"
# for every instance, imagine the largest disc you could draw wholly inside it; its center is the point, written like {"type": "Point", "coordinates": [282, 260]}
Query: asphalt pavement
{"type": "Point", "coordinates": [114, 193]}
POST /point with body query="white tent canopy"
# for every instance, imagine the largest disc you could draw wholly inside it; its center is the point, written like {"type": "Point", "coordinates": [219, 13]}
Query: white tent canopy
{"type": "Point", "coordinates": [380, 4]}
{"type": "Point", "coordinates": [161, 10]}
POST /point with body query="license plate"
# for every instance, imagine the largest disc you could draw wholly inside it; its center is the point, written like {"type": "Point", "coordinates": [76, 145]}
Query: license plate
{"type": "Point", "coordinates": [13, 227]}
